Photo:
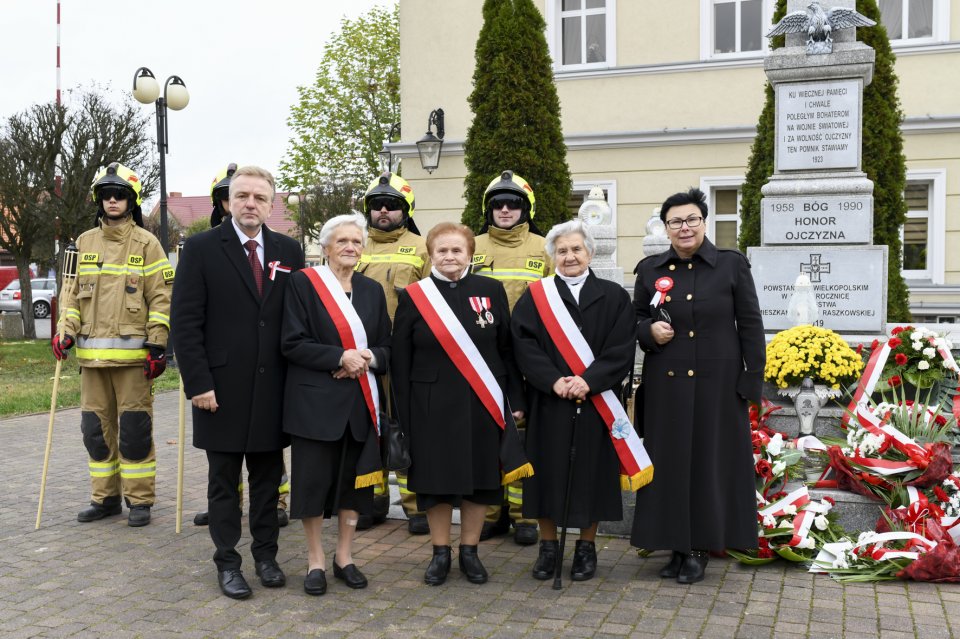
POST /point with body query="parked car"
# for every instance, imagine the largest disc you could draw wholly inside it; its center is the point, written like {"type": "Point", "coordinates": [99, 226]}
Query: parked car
{"type": "Point", "coordinates": [43, 291]}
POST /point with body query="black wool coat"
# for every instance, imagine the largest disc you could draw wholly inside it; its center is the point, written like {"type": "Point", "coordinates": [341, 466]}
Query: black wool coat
{"type": "Point", "coordinates": [695, 415]}
{"type": "Point", "coordinates": [227, 338]}
{"type": "Point", "coordinates": [316, 405]}
{"type": "Point", "coordinates": [454, 442]}
{"type": "Point", "coordinates": [605, 318]}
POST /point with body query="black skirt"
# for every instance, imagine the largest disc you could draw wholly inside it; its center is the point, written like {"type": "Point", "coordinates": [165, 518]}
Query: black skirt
{"type": "Point", "coordinates": [492, 497]}
{"type": "Point", "coordinates": [315, 469]}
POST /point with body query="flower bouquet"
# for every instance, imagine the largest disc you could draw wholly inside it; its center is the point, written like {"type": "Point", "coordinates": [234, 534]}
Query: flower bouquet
{"type": "Point", "coordinates": [918, 356]}
{"type": "Point", "coordinates": [774, 458]}
{"type": "Point", "coordinates": [814, 352]}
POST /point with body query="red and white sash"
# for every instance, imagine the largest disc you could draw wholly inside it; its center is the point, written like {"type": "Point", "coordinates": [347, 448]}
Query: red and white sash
{"type": "Point", "coordinates": [458, 346]}
{"type": "Point", "coordinates": [635, 466]}
{"type": "Point", "coordinates": [349, 327]}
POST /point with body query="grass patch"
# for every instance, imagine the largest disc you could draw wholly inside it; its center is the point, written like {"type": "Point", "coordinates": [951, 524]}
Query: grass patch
{"type": "Point", "coordinates": [26, 379]}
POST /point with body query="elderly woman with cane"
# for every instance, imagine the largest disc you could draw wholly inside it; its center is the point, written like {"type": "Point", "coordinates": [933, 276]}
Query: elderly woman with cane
{"type": "Point", "coordinates": [573, 336]}
{"type": "Point", "coordinates": [458, 393]}
{"type": "Point", "coordinates": [336, 337]}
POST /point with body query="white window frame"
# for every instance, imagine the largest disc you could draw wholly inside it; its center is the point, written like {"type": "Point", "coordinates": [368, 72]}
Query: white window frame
{"type": "Point", "coordinates": [936, 225]}
{"type": "Point", "coordinates": [554, 20]}
{"type": "Point", "coordinates": [707, 32]}
{"type": "Point", "coordinates": [941, 26]}
{"type": "Point", "coordinates": [709, 185]}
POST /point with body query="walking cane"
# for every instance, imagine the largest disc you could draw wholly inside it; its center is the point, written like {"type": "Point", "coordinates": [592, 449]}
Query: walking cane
{"type": "Point", "coordinates": [68, 273]}
{"type": "Point", "coordinates": [181, 428]}
{"type": "Point", "coordinates": [566, 498]}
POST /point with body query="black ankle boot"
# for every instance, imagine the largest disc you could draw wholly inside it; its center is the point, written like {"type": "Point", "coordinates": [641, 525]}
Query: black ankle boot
{"type": "Point", "coordinates": [546, 564]}
{"type": "Point", "coordinates": [694, 567]}
{"type": "Point", "coordinates": [584, 561]}
{"type": "Point", "coordinates": [672, 569]}
{"type": "Point", "coordinates": [110, 506]}
{"type": "Point", "coordinates": [439, 566]}
{"type": "Point", "coordinates": [470, 565]}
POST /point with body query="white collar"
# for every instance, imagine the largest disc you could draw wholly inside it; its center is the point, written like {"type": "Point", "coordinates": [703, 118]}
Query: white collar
{"type": "Point", "coordinates": [440, 276]}
{"type": "Point", "coordinates": [244, 238]}
{"type": "Point", "coordinates": [574, 281]}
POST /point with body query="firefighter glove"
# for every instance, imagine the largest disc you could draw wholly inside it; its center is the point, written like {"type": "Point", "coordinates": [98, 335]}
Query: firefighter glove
{"type": "Point", "coordinates": [156, 362]}
{"type": "Point", "coordinates": [61, 345]}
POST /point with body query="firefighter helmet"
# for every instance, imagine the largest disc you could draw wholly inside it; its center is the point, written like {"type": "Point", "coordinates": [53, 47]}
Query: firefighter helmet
{"type": "Point", "coordinates": [220, 187]}
{"type": "Point", "coordinates": [116, 174]}
{"type": "Point", "coordinates": [508, 182]}
{"type": "Point", "coordinates": [390, 185]}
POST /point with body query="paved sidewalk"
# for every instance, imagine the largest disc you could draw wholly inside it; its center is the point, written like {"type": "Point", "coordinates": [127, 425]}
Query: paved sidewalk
{"type": "Point", "coordinates": [106, 579]}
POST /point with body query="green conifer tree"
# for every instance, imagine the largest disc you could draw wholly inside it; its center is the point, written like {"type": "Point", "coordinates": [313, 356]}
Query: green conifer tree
{"type": "Point", "coordinates": [883, 159]}
{"type": "Point", "coordinates": [516, 123]}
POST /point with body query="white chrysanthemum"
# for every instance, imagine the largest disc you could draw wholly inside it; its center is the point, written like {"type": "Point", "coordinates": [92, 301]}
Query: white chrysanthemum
{"type": "Point", "coordinates": [775, 445]}
{"type": "Point", "coordinates": [917, 346]}
{"type": "Point", "coordinates": [929, 352]}
{"type": "Point", "coordinates": [916, 335]}
{"type": "Point", "coordinates": [923, 365]}
{"type": "Point", "coordinates": [821, 522]}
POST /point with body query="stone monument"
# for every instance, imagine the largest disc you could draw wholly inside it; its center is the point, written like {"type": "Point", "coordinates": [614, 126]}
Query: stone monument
{"type": "Point", "coordinates": [596, 214]}
{"type": "Point", "coordinates": [817, 209]}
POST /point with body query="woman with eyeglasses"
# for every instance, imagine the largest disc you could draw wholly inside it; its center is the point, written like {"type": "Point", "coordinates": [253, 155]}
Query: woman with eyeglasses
{"type": "Point", "coordinates": [700, 327]}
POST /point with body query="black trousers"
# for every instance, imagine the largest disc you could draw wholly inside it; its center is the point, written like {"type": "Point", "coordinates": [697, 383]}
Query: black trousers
{"type": "Point", "coordinates": [223, 502]}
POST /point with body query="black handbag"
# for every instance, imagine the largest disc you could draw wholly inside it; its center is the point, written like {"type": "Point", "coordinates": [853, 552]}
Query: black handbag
{"type": "Point", "coordinates": [394, 445]}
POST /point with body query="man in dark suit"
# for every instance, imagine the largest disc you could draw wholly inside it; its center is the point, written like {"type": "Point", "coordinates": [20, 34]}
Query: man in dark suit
{"type": "Point", "coordinates": [227, 309]}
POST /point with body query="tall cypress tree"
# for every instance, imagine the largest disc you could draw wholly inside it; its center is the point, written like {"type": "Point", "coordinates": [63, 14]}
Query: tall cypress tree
{"type": "Point", "coordinates": [516, 123]}
{"type": "Point", "coordinates": [883, 160]}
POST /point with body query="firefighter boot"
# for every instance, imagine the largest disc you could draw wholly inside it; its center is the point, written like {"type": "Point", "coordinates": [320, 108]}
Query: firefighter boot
{"type": "Point", "coordinates": [110, 506]}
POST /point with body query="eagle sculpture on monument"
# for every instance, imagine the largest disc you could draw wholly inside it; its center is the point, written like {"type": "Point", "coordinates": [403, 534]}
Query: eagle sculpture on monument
{"type": "Point", "coordinates": [819, 24]}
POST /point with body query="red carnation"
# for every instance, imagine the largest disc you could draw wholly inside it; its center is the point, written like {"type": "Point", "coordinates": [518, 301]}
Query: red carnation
{"type": "Point", "coordinates": [894, 342]}
{"type": "Point", "coordinates": [764, 553]}
{"type": "Point", "coordinates": [874, 344]}
{"type": "Point", "coordinates": [941, 494]}
{"type": "Point", "coordinates": [898, 330]}
{"type": "Point", "coordinates": [901, 359]}
{"type": "Point", "coordinates": [859, 349]}
{"type": "Point", "coordinates": [894, 380]}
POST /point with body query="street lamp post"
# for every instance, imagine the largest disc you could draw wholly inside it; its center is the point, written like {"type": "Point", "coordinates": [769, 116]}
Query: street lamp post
{"type": "Point", "coordinates": [175, 96]}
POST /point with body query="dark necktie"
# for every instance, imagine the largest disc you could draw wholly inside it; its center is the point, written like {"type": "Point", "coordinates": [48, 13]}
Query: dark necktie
{"type": "Point", "coordinates": [251, 246]}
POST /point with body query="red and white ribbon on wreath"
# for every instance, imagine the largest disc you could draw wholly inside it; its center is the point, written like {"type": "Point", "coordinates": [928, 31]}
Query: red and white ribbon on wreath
{"type": "Point", "coordinates": [801, 527]}
{"type": "Point", "coordinates": [458, 346]}
{"type": "Point", "coordinates": [868, 381]}
{"type": "Point", "coordinates": [906, 445]}
{"type": "Point", "coordinates": [951, 364]}
{"type": "Point", "coordinates": [663, 284]}
{"type": "Point", "coordinates": [873, 547]}
{"type": "Point", "coordinates": [636, 469]}
{"type": "Point", "coordinates": [349, 328]}
{"type": "Point", "coordinates": [798, 499]}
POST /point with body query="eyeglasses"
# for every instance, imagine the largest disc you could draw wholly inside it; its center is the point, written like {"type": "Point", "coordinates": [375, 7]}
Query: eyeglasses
{"type": "Point", "coordinates": [692, 222]}
{"type": "Point", "coordinates": [509, 202]}
{"type": "Point", "coordinates": [391, 204]}
{"type": "Point", "coordinates": [114, 192]}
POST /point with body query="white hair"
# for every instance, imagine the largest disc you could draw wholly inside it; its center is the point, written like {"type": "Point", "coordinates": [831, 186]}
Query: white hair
{"type": "Point", "coordinates": [567, 228]}
{"type": "Point", "coordinates": [341, 220]}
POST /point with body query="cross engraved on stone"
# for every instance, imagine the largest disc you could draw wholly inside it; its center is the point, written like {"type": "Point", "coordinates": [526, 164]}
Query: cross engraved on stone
{"type": "Point", "coordinates": [814, 267]}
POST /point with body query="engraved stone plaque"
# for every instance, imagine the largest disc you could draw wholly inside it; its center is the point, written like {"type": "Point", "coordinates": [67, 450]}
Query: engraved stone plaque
{"type": "Point", "coordinates": [849, 282]}
{"type": "Point", "coordinates": [817, 219]}
{"type": "Point", "coordinates": [818, 125]}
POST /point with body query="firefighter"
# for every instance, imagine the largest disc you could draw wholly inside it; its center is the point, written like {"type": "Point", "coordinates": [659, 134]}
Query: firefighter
{"type": "Point", "coordinates": [395, 256]}
{"type": "Point", "coordinates": [117, 314]}
{"type": "Point", "coordinates": [220, 196]}
{"type": "Point", "coordinates": [510, 248]}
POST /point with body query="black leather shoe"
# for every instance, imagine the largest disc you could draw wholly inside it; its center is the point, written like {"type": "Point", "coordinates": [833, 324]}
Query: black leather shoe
{"type": "Point", "coordinates": [350, 575]}
{"type": "Point", "coordinates": [282, 517]}
{"type": "Point", "coordinates": [546, 564]}
{"type": "Point", "coordinates": [439, 566]}
{"type": "Point", "coordinates": [138, 516]}
{"type": "Point", "coordinates": [270, 574]}
{"type": "Point", "coordinates": [584, 561]}
{"type": "Point", "coordinates": [233, 585]}
{"type": "Point", "coordinates": [202, 518]}
{"type": "Point", "coordinates": [315, 583]}
{"type": "Point", "coordinates": [470, 565]}
{"type": "Point", "coordinates": [95, 511]}
{"type": "Point", "coordinates": [495, 528]}
{"type": "Point", "coordinates": [418, 525]}
{"type": "Point", "coordinates": [525, 534]}
{"type": "Point", "coordinates": [672, 569]}
{"type": "Point", "coordinates": [694, 567]}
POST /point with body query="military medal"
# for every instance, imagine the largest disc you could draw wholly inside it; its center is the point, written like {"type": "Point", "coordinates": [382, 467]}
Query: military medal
{"type": "Point", "coordinates": [481, 306]}
{"type": "Point", "coordinates": [663, 284]}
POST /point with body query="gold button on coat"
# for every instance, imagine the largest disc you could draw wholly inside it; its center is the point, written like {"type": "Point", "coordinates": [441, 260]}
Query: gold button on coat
{"type": "Point", "coordinates": [673, 267]}
{"type": "Point", "coordinates": [689, 265]}
{"type": "Point", "coordinates": [689, 373]}
{"type": "Point", "coordinates": [689, 296]}
{"type": "Point", "coordinates": [691, 333]}
{"type": "Point", "coordinates": [668, 298]}
{"type": "Point", "coordinates": [669, 373]}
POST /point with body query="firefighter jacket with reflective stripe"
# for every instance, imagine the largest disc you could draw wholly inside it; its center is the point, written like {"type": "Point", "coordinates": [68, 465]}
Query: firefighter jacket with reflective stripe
{"type": "Point", "coordinates": [395, 259]}
{"type": "Point", "coordinates": [514, 256]}
{"type": "Point", "coordinates": [120, 299]}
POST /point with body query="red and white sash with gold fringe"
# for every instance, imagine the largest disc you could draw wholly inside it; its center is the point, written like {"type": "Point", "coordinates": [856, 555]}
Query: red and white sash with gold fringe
{"type": "Point", "coordinates": [636, 469]}
{"type": "Point", "coordinates": [349, 328]}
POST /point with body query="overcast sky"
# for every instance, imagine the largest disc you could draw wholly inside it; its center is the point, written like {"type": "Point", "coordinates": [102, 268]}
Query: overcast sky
{"type": "Point", "coordinates": [241, 61]}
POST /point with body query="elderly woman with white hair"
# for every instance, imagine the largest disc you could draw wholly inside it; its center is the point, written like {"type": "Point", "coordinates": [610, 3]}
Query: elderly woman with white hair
{"type": "Point", "coordinates": [336, 338]}
{"type": "Point", "coordinates": [573, 337]}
